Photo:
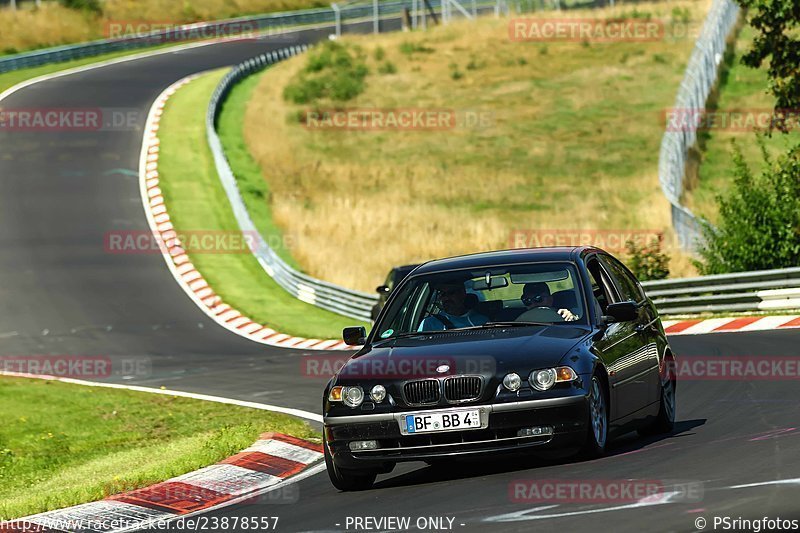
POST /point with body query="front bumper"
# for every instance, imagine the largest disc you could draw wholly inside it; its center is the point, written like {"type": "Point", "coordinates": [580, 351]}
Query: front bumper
{"type": "Point", "coordinates": [568, 416]}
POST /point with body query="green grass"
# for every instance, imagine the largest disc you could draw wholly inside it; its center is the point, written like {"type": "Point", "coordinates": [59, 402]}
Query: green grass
{"type": "Point", "coordinates": [196, 201]}
{"type": "Point", "coordinates": [64, 444]}
{"type": "Point", "coordinates": [740, 88]}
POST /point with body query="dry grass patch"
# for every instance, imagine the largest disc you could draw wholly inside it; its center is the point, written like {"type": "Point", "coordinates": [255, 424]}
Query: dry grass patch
{"type": "Point", "coordinates": [571, 143]}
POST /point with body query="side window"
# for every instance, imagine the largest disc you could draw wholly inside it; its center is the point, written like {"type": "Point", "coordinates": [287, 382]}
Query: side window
{"type": "Point", "coordinates": [627, 285]}
{"type": "Point", "coordinates": [602, 288]}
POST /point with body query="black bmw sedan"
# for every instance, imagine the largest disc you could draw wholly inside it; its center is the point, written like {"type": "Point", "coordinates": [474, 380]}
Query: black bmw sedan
{"type": "Point", "coordinates": [507, 351]}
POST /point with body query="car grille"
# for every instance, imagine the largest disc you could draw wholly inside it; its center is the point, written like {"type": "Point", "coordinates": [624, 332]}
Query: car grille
{"type": "Point", "coordinates": [462, 388]}
{"type": "Point", "coordinates": [421, 392]}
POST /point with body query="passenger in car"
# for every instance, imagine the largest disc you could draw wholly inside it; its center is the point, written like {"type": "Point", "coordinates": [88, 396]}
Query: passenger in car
{"type": "Point", "coordinates": [455, 311]}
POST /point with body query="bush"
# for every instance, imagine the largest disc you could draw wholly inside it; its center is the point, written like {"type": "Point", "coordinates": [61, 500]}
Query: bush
{"type": "Point", "coordinates": [333, 71]}
{"type": "Point", "coordinates": [759, 218]}
{"type": "Point", "coordinates": [83, 5]}
{"type": "Point", "coordinates": [387, 68]}
{"type": "Point", "coordinates": [647, 261]}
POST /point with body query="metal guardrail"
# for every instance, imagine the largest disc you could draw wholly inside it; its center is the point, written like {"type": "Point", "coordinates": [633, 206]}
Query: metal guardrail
{"type": "Point", "coordinates": [698, 80]}
{"type": "Point", "coordinates": [763, 290]}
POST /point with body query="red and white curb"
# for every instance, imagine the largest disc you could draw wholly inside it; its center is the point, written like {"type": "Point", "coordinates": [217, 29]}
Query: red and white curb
{"type": "Point", "coordinates": [702, 326]}
{"type": "Point", "coordinates": [244, 477]}
{"type": "Point", "coordinates": [177, 259]}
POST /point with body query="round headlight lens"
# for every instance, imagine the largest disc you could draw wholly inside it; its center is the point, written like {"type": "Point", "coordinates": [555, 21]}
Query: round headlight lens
{"type": "Point", "coordinates": [542, 379]}
{"type": "Point", "coordinates": [378, 393]}
{"type": "Point", "coordinates": [512, 382]}
{"type": "Point", "coordinates": [353, 396]}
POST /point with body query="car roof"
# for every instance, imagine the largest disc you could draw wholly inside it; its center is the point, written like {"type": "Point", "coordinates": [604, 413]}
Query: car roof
{"type": "Point", "coordinates": [505, 257]}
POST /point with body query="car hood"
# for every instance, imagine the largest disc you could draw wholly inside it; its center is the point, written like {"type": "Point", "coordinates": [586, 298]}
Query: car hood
{"type": "Point", "coordinates": [492, 352]}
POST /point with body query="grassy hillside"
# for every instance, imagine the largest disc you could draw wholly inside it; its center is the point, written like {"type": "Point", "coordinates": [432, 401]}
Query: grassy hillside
{"type": "Point", "coordinates": [570, 141]}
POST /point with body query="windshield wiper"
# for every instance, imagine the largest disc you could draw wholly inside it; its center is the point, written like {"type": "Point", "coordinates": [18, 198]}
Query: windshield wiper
{"type": "Point", "coordinates": [488, 325]}
{"type": "Point", "coordinates": [510, 324]}
{"type": "Point", "coordinates": [414, 334]}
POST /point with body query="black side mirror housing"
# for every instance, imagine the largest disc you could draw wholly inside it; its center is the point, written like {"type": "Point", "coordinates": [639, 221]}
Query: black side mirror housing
{"type": "Point", "coordinates": [354, 336]}
{"type": "Point", "coordinates": [621, 312]}
{"type": "Point", "coordinates": [383, 289]}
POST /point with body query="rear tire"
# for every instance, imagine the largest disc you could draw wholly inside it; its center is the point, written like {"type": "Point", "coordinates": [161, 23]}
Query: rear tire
{"type": "Point", "coordinates": [597, 433]}
{"type": "Point", "coordinates": [665, 420]}
{"type": "Point", "coordinates": [347, 480]}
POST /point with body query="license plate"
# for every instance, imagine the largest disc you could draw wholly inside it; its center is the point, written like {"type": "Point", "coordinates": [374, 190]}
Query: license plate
{"type": "Point", "coordinates": [433, 422]}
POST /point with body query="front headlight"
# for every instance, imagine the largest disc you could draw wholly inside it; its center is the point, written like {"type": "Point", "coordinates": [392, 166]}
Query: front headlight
{"type": "Point", "coordinates": [378, 393]}
{"type": "Point", "coordinates": [512, 381]}
{"type": "Point", "coordinates": [545, 379]}
{"type": "Point", "coordinates": [542, 379]}
{"type": "Point", "coordinates": [353, 396]}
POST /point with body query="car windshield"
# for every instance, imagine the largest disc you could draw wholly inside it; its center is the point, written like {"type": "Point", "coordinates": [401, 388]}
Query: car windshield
{"type": "Point", "coordinates": [507, 296]}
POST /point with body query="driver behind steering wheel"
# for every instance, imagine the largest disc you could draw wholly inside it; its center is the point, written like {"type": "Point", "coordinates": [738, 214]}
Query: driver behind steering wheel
{"type": "Point", "coordinates": [455, 312]}
{"type": "Point", "coordinates": [538, 301]}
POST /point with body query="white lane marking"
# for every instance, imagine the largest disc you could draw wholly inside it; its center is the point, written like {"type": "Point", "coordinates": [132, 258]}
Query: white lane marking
{"type": "Point", "coordinates": [9, 334]}
{"type": "Point", "coordinates": [218, 399]}
{"type": "Point", "coordinates": [794, 481]}
{"type": "Point", "coordinates": [266, 392]}
{"type": "Point", "coordinates": [519, 516]}
{"type": "Point", "coordinates": [77, 70]}
{"type": "Point", "coordinates": [285, 450]}
{"type": "Point", "coordinates": [144, 55]}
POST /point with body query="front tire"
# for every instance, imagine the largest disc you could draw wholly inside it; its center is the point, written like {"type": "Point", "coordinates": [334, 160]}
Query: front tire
{"type": "Point", "coordinates": [346, 480]}
{"type": "Point", "coordinates": [597, 434]}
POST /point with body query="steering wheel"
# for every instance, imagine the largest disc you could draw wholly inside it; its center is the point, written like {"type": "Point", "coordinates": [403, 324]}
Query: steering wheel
{"type": "Point", "coordinates": [540, 314]}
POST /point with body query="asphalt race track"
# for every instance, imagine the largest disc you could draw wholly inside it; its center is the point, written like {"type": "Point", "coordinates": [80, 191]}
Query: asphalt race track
{"type": "Point", "coordinates": [62, 293]}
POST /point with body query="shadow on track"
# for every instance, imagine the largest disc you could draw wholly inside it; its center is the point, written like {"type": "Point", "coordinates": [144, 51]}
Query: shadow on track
{"type": "Point", "coordinates": [454, 469]}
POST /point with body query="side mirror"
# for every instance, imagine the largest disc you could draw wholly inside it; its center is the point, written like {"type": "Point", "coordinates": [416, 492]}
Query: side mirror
{"type": "Point", "coordinates": [354, 336]}
{"type": "Point", "coordinates": [383, 289]}
{"type": "Point", "coordinates": [621, 312]}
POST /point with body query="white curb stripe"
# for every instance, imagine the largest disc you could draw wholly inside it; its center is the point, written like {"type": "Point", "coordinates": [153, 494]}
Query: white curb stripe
{"type": "Point", "coordinates": [228, 479]}
{"type": "Point", "coordinates": [285, 450]}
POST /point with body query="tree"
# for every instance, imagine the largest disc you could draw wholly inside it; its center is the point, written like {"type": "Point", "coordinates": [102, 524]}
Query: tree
{"type": "Point", "coordinates": [759, 218]}
{"type": "Point", "coordinates": [647, 261]}
{"type": "Point", "coordinates": [778, 41]}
